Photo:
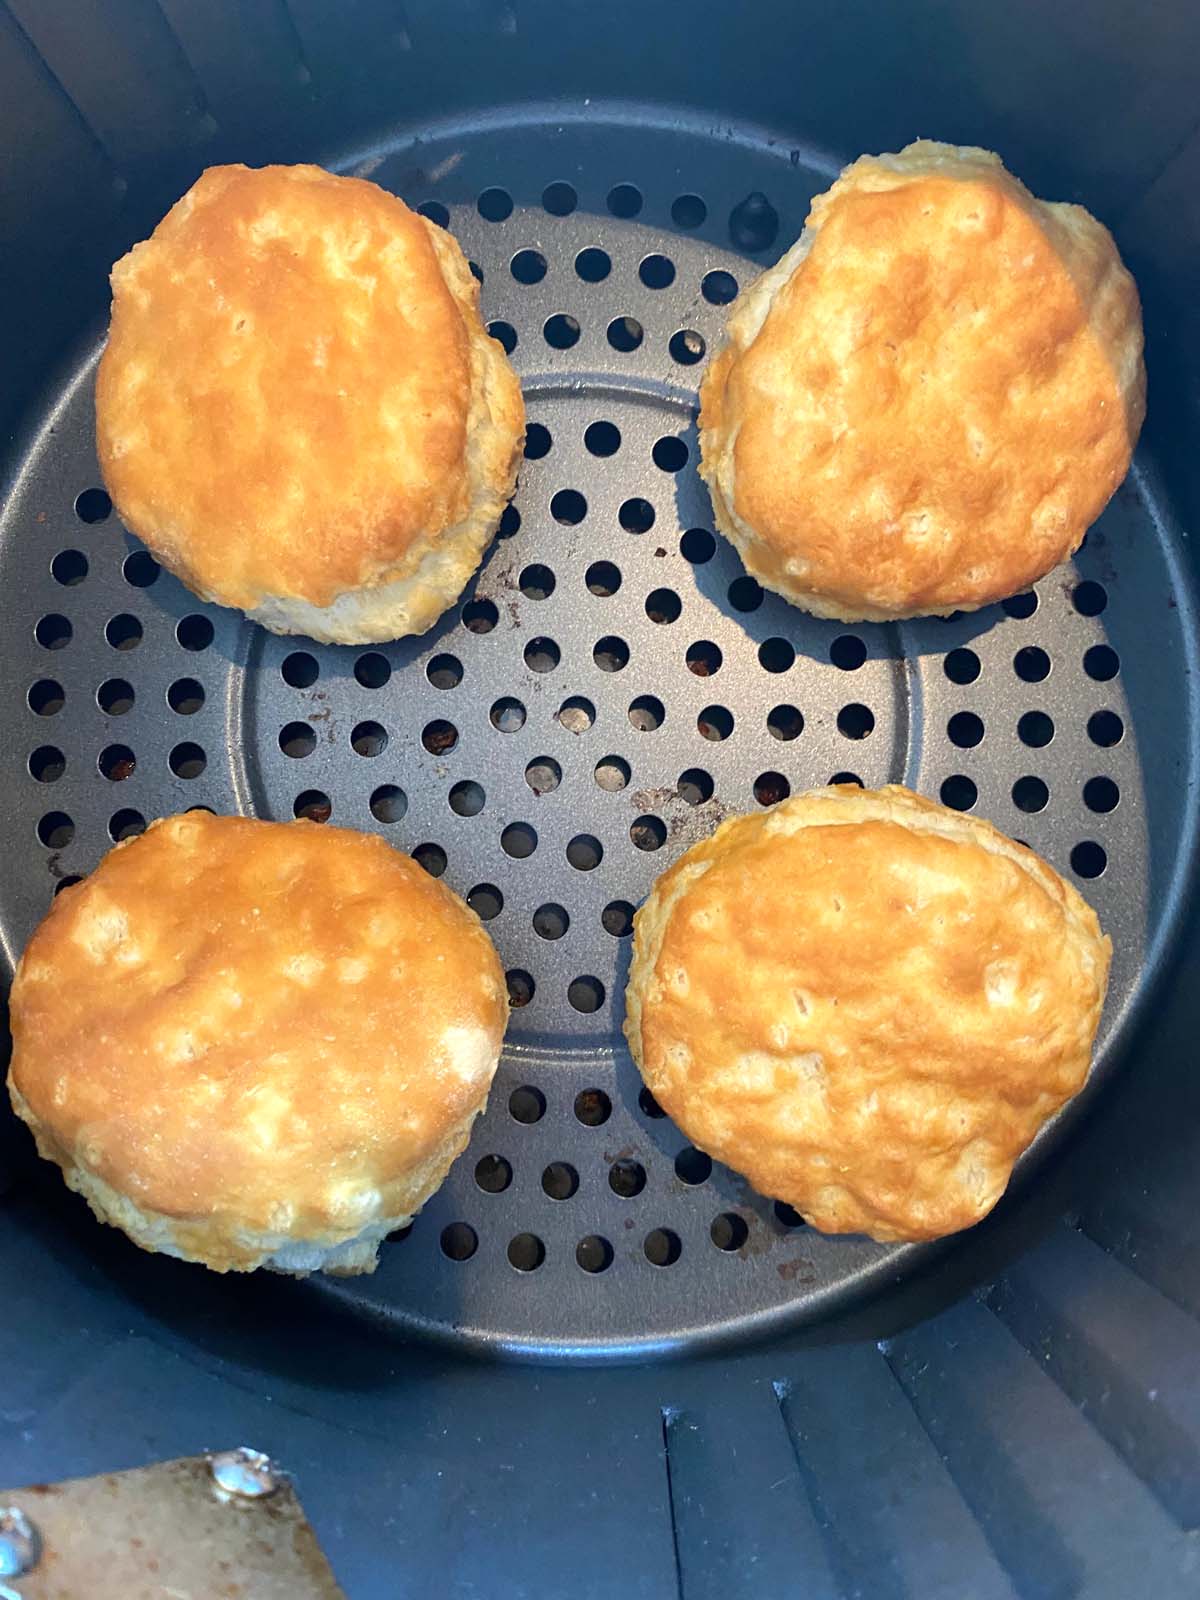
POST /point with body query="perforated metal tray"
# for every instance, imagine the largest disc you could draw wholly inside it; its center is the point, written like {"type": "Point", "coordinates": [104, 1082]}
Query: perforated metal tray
{"type": "Point", "coordinates": [611, 687]}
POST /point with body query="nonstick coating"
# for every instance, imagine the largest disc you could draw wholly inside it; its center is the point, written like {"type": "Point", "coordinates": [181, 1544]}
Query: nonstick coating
{"type": "Point", "coordinates": [610, 688]}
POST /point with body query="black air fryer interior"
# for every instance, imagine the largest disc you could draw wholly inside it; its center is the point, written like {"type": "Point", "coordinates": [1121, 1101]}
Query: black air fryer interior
{"type": "Point", "coordinates": [611, 686]}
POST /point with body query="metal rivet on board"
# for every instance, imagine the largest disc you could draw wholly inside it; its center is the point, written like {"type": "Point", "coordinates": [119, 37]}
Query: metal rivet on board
{"type": "Point", "coordinates": [20, 1543]}
{"type": "Point", "coordinates": [246, 1473]}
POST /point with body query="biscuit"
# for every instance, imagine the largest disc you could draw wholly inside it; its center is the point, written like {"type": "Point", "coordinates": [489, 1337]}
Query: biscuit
{"type": "Point", "coordinates": [298, 409]}
{"type": "Point", "coordinates": [925, 404]}
{"type": "Point", "coordinates": [867, 1004]}
{"type": "Point", "coordinates": [256, 1043]}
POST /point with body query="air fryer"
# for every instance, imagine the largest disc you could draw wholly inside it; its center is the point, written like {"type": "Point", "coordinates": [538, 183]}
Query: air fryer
{"type": "Point", "coordinates": [597, 1364]}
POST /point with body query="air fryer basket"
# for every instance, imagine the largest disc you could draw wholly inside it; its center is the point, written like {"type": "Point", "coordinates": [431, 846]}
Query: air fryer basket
{"type": "Point", "coordinates": [610, 687]}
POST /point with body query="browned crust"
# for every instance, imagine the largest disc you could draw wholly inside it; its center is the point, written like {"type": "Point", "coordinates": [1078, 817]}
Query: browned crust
{"type": "Point", "coordinates": [927, 403]}
{"type": "Point", "coordinates": [867, 1004]}
{"type": "Point", "coordinates": [256, 1030]}
{"type": "Point", "coordinates": [286, 405]}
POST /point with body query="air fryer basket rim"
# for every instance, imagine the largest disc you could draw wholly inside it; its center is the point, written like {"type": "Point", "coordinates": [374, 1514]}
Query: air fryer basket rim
{"type": "Point", "coordinates": [275, 765]}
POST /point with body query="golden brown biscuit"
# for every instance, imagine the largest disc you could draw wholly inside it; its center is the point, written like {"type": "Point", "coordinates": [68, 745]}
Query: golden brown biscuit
{"type": "Point", "coordinates": [925, 404]}
{"type": "Point", "coordinates": [867, 1004]}
{"type": "Point", "coordinates": [256, 1043]}
{"type": "Point", "coordinates": [298, 409]}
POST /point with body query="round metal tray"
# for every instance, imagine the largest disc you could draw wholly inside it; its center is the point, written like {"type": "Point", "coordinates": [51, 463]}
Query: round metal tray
{"type": "Point", "coordinates": [611, 686]}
